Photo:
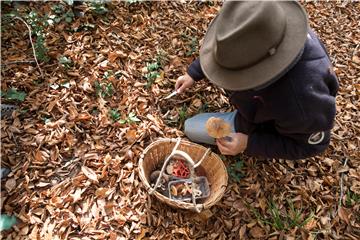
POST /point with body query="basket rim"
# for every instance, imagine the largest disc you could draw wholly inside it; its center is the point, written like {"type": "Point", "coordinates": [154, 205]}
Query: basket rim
{"type": "Point", "coordinates": [167, 200]}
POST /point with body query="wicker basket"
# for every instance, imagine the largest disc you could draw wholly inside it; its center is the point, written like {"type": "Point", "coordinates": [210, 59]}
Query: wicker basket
{"type": "Point", "coordinates": [214, 168]}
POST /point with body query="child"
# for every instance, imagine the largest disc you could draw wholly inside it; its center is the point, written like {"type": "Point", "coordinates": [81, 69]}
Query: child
{"type": "Point", "coordinates": [278, 76]}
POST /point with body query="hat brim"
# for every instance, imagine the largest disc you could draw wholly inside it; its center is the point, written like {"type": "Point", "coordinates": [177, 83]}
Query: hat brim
{"type": "Point", "coordinates": [265, 70]}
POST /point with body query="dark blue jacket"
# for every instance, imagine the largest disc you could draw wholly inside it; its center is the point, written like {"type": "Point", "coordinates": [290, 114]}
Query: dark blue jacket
{"type": "Point", "coordinates": [292, 117]}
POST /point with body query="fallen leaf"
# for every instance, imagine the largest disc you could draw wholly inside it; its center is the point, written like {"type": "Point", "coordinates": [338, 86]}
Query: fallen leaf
{"type": "Point", "coordinates": [89, 173]}
{"type": "Point", "coordinates": [257, 232]}
{"type": "Point", "coordinates": [344, 215]}
{"type": "Point", "coordinates": [131, 136]}
{"type": "Point", "coordinates": [10, 184]}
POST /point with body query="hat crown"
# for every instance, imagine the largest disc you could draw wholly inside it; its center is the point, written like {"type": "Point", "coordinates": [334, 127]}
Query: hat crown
{"type": "Point", "coordinates": [248, 32]}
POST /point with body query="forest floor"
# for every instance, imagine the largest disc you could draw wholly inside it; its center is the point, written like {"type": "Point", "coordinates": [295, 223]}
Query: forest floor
{"type": "Point", "coordinates": [74, 142]}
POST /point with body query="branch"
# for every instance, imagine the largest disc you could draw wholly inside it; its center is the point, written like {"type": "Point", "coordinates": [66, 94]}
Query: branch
{"type": "Point", "coordinates": [19, 62]}
{"type": "Point", "coordinates": [342, 186]}
{"type": "Point", "coordinates": [32, 44]}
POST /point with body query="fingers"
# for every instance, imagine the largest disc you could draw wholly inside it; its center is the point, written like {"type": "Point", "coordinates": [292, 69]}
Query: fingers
{"type": "Point", "coordinates": [180, 84]}
{"type": "Point", "coordinates": [183, 82]}
{"type": "Point", "coordinates": [222, 148]}
{"type": "Point", "coordinates": [225, 142]}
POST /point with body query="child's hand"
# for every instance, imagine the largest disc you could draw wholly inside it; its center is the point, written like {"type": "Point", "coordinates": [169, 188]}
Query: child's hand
{"type": "Point", "coordinates": [183, 82]}
{"type": "Point", "coordinates": [236, 145]}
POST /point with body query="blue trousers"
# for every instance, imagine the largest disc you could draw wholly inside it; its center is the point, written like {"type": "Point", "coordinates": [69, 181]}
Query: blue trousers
{"type": "Point", "coordinates": [195, 128]}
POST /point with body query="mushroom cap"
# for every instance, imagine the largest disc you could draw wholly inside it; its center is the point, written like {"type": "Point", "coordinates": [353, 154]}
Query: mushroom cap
{"type": "Point", "coordinates": [217, 127]}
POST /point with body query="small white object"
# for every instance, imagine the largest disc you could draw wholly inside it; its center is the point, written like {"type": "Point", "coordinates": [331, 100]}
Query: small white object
{"type": "Point", "coordinates": [171, 95]}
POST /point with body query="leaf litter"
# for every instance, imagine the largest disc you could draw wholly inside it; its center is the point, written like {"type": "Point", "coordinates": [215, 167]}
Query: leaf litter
{"type": "Point", "coordinates": [74, 165]}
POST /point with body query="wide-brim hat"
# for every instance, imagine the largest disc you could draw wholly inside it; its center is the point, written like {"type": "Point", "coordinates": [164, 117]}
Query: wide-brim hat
{"type": "Point", "coordinates": [250, 43]}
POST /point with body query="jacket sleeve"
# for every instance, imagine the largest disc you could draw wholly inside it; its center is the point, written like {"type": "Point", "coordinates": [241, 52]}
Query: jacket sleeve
{"type": "Point", "coordinates": [292, 147]}
{"type": "Point", "coordinates": [195, 70]}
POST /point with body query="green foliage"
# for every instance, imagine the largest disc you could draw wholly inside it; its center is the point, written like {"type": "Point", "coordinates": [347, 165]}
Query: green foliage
{"type": "Point", "coordinates": [65, 62]}
{"type": "Point", "coordinates": [104, 89]}
{"type": "Point", "coordinates": [14, 94]}
{"type": "Point", "coordinates": [192, 44]}
{"type": "Point", "coordinates": [153, 69]}
{"type": "Point", "coordinates": [61, 14]}
{"type": "Point", "coordinates": [98, 7]}
{"type": "Point", "coordinates": [351, 198]}
{"type": "Point", "coordinates": [131, 118]}
{"type": "Point", "coordinates": [183, 114]}
{"type": "Point", "coordinates": [153, 73]}
{"type": "Point", "coordinates": [161, 57]}
{"type": "Point", "coordinates": [286, 219]}
{"type": "Point", "coordinates": [108, 74]}
{"type": "Point", "coordinates": [133, 1]}
{"type": "Point", "coordinates": [37, 24]}
{"type": "Point", "coordinates": [193, 47]}
{"type": "Point", "coordinates": [235, 170]}
{"type": "Point", "coordinates": [114, 114]}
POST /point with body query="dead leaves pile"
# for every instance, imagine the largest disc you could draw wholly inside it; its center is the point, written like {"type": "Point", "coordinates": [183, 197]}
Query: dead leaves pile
{"type": "Point", "coordinates": [74, 168]}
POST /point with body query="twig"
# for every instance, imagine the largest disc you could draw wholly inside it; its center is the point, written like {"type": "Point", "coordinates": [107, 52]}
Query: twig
{"type": "Point", "coordinates": [32, 44]}
{"type": "Point", "coordinates": [342, 185]}
{"type": "Point", "coordinates": [18, 62]}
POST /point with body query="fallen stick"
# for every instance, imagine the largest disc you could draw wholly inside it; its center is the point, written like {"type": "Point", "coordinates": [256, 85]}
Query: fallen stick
{"type": "Point", "coordinates": [18, 62]}
{"type": "Point", "coordinates": [32, 44]}
{"type": "Point", "coordinates": [341, 187]}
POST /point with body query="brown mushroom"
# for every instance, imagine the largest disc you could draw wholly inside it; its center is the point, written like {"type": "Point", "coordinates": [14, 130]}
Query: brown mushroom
{"type": "Point", "coordinates": [217, 127]}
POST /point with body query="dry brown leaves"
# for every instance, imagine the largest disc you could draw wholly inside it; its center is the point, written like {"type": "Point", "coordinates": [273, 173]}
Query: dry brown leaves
{"type": "Point", "coordinates": [74, 168]}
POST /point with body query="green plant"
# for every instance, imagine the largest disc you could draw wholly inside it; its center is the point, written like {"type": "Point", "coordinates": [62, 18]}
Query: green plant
{"type": "Point", "coordinates": [98, 7]}
{"type": "Point", "coordinates": [114, 114]}
{"type": "Point", "coordinates": [193, 47]}
{"type": "Point", "coordinates": [161, 57]}
{"type": "Point", "coordinates": [14, 94]}
{"type": "Point", "coordinates": [61, 14]}
{"type": "Point", "coordinates": [65, 62]}
{"type": "Point", "coordinates": [351, 198]}
{"type": "Point", "coordinates": [235, 170]}
{"type": "Point", "coordinates": [104, 89]}
{"type": "Point", "coordinates": [133, 1]}
{"type": "Point", "coordinates": [37, 23]}
{"type": "Point", "coordinates": [131, 118]}
{"type": "Point", "coordinates": [192, 44]}
{"type": "Point", "coordinates": [152, 73]}
{"type": "Point", "coordinates": [108, 74]}
{"type": "Point", "coordinates": [182, 114]}
{"type": "Point", "coordinates": [286, 219]}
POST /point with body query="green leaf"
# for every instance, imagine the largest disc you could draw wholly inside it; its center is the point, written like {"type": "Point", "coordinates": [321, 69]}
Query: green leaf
{"type": "Point", "coordinates": [153, 67]}
{"type": "Point", "coordinates": [115, 115]}
{"type": "Point", "coordinates": [54, 86]}
{"type": "Point", "coordinates": [65, 85]}
{"type": "Point", "coordinates": [122, 121]}
{"type": "Point", "coordinates": [64, 60]}
{"type": "Point", "coordinates": [134, 119]}
{"type": "Point", "coordinates": [13, 94]}
{"type": "Point", "coordinates": [69, 2]}
{"type": "Point", "coordinates": [68, 19]}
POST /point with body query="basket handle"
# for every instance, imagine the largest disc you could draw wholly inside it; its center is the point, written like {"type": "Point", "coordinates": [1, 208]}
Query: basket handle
{"type": "Point", "coordinates": [197, 207]}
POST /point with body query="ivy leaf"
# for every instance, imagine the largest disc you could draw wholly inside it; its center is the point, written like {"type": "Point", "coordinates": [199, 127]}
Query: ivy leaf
{"type": "Point", "coordinates": [13, 94]}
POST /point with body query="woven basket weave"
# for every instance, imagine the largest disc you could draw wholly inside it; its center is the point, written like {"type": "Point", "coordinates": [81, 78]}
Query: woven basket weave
{"type": "Point", "coordinates": [214, 168]}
